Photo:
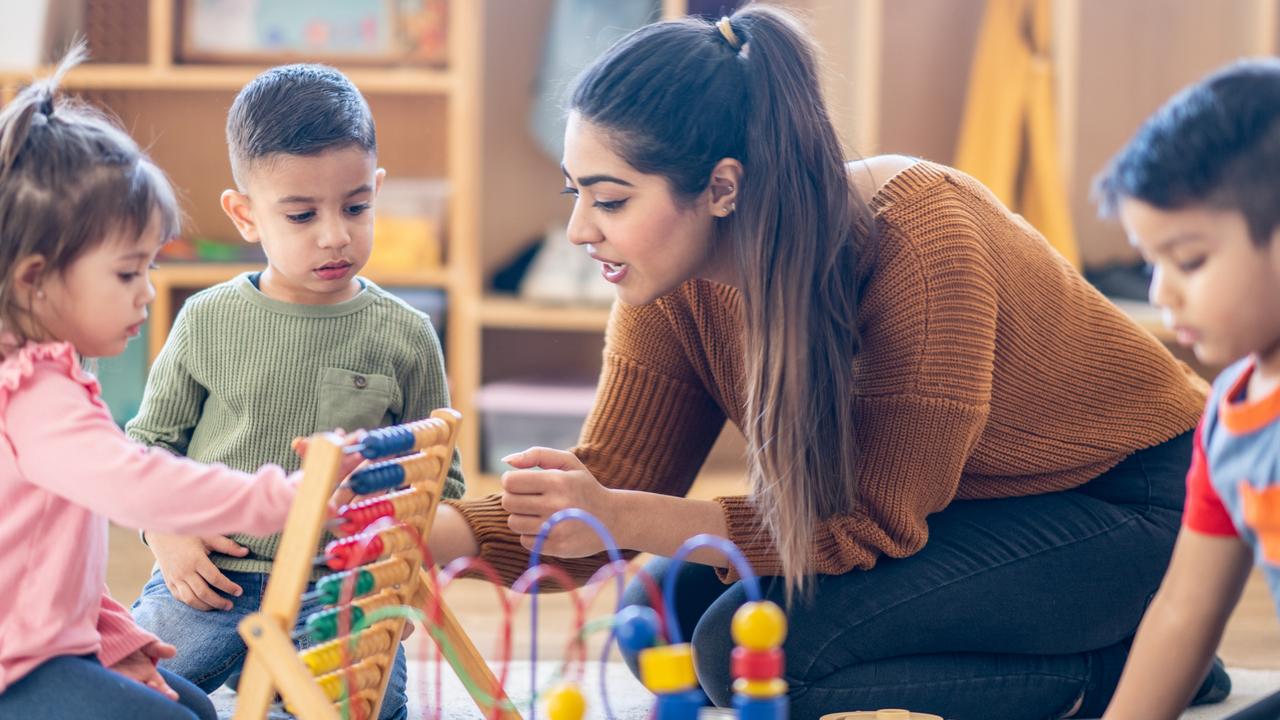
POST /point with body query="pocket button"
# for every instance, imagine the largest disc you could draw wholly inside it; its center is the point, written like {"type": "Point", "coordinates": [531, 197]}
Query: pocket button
{"type": "Point", "coordinates": [360, 381]}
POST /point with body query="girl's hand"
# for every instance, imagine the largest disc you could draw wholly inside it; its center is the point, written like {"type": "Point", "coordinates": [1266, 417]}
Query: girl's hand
{"type": "Point", "coordinates": [545, 482]}
{"type": "Point", "coordinates": [140, 665]}
{"type": "Point", "coordinates": [350, 463]}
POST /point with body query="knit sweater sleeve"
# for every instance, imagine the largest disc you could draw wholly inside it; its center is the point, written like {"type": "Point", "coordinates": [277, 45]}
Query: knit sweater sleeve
{"type": "Point", "coordinates": [173, 399]}
{"type": "Point", "coordinates": [925, 382]}
{"type": "Point", "coordinates": [650, 429]}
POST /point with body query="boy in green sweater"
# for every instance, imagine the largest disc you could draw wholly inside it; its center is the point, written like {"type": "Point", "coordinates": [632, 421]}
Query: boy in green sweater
{"type": "Point", "coordinates": [303, 346]}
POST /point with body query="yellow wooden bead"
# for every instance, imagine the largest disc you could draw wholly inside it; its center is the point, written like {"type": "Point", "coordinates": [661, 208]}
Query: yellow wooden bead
{"type": "Point", "coordinates": [668, 668]}
{"type": "Point", "coordinates": [759, 626]}
{"type": "Point", "coordinates": [565, 702]}
{"type": "Point", "coordinates": [760, 689]}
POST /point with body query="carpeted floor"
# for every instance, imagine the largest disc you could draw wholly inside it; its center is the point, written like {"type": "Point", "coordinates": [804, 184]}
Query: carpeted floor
{"type": "Point", "coordinates": [630, 701]}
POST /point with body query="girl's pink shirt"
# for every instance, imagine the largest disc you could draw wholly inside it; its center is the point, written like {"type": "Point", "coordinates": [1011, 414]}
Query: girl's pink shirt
{"type": "Point", "coordinates": [65, 470]}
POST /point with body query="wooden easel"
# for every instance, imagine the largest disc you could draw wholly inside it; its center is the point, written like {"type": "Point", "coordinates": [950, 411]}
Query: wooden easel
{"type": "Point", "coordinates": [275, 665]}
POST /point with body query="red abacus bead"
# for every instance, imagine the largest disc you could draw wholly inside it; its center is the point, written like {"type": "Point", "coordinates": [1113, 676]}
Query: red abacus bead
{"type": "Point", "coordinates": [350, 552]}
{"type": "Point", "coordinates": [358, 516]}
{"type": "Point", "coordinates": [757, 664]}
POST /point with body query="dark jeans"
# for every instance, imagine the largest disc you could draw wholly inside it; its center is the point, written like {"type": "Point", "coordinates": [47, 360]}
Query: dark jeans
{"type": "Point", "coordinates": [1014, 609]}
{"type": "Point", "coordinates": [76, 687]}
{"type": "Point", "coordinates": [1267, 708]}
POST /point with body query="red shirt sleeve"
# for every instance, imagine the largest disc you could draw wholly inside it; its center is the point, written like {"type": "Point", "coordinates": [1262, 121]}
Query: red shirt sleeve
{"type": "Point", "coordinates": [1204, 511]}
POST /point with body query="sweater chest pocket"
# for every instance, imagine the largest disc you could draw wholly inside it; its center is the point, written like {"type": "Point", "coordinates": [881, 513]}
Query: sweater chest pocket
{"type": "Point", "coordinates": [352, 400]}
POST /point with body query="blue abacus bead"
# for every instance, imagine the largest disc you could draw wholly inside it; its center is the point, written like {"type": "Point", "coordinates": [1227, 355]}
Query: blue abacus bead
{"type": "Point", "coordinates": [636, 628]}
{"type": "Point", "coordinates": [387, 441]}
{"type": "Point", "coordinates": [679, 706]}
{"type": "Point", "coordinates": [774, 708]}
{"type": "Point", "coordinates": [383, 476]}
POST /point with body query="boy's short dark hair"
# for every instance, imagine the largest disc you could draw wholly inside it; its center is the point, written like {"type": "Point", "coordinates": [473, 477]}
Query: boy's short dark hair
{"type": "Point", "coordinates": [1216, 143]}
{"type": "Point", "coordinates": [301, 109]}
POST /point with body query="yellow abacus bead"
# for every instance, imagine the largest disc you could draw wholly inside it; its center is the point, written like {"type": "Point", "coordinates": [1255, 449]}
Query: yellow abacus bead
{"type": "Point", "coordinates": [328, 656]}
{"type": "Point", "coordinates": [565, 702]}
{"type": "Point", "coordinates": [760, 689]}
{"type": "Point", "coordinates": [759, 626]}
{"type": "Point", "coordinates": [362, 676]}
{"type": "Point", "coordinates": [668, 669]}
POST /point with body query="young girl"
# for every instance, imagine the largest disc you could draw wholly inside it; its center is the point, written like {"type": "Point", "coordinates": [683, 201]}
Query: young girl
{"type": "Point", "coordinates": [963, 461]}
{"type": "Point", "coordinates": [82, 215]}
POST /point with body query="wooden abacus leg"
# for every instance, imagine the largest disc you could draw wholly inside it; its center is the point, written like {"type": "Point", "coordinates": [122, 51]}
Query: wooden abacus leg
{"type": "Point", "coordinates": [271, 647]}
{"type": "Point", "coordinates": [289, 575]}
{"type": "Point", "coordinates": [468, 662]}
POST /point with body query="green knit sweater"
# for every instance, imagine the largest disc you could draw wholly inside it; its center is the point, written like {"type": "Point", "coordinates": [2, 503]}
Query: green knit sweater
{"type": "Point", "coordinates": [241, 375]}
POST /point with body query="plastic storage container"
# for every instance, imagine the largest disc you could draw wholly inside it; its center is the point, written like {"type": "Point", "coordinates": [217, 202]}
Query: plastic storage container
{"type": "Point", "coordinates": [409, 225]}
{"type": "Point", "coordinates": [518, 415]}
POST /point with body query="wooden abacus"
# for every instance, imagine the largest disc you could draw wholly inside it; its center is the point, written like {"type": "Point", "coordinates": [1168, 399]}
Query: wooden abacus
{"type": "Point", "coordinates": [345, 676]}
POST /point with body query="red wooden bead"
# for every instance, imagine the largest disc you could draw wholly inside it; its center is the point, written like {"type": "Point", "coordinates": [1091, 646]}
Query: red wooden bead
{"type": "Point", "coordinates": [757, 664]}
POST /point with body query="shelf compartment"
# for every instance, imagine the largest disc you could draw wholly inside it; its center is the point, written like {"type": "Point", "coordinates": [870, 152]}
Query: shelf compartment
{"type": "Point", "coordinates": [516, 314]}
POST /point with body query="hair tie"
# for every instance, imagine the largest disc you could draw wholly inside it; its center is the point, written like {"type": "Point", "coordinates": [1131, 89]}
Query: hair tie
{"type": "Point", "coordinates": [46, 105]}
{"type": "Point", "coordinates": [730, 36]}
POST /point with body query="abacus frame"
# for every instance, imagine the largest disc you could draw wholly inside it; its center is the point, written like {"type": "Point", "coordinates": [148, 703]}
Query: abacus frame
{"type": "Point", "coordinates": [272, 664]}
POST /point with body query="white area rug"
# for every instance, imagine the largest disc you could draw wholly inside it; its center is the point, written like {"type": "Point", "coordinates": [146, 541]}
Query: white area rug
{"type": "Point", "coordinates": [630, 701]}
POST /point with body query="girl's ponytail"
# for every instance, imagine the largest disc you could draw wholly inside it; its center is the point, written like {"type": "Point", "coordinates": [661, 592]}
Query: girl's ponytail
{"type": "Point", "coordinates": [34, 107]}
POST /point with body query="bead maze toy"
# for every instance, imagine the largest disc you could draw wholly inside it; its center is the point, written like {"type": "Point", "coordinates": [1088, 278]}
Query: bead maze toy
{"type": "Point", "coordinates": [345, 676]}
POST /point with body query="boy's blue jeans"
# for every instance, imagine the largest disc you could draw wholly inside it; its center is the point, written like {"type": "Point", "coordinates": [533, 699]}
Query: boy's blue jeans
{"type": "Point", "coordinates": [209, 646]}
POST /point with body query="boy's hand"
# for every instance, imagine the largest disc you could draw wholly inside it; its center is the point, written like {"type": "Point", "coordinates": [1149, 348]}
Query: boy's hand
{"type": "Point", "coordinates": [140, 665]}
{"type": "Point", "coordinates": [350, 463]}
{"type": "Point", "coordinates": [189, 574]}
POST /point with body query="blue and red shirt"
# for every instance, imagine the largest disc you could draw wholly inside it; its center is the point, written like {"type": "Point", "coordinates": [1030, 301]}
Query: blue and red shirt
{"type": "Point", "coordinates": [1233, 487]}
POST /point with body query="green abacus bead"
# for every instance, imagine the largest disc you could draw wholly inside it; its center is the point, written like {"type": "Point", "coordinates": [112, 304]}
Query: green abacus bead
{"type": "Point", "coordinates": [330, 587]}
{"type": "Point", "coordinates": [323, 625]}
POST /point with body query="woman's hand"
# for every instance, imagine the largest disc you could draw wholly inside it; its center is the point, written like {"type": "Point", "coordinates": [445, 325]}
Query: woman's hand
{"type": "Point", "coordinates": [545, 482]}
{"type": "Point", "coordinates": [140, 665]}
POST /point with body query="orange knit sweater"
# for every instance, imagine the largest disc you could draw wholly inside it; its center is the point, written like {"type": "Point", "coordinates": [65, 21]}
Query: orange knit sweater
{"type": "Point", "coordinates": [989, 368]}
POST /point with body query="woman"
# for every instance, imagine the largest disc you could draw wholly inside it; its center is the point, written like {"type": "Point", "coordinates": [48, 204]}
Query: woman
{"type": "Point", "coordinates": [965, 465]}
